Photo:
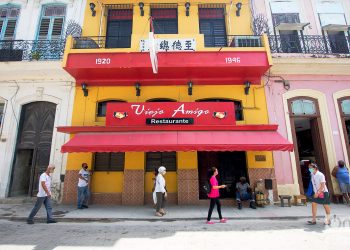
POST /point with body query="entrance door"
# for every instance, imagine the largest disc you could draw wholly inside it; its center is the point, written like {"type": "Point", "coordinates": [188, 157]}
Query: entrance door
{"type": "Point", "coordinates": [231, 166]}
{"type": "Point", "coordinates": [33, 147]}
{"type": "Point", "coordinates": [310, 147]}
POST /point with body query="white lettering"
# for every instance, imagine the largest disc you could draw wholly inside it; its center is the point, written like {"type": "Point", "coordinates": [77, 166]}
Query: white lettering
{"type": "Point", "coordinates": [197, 112]}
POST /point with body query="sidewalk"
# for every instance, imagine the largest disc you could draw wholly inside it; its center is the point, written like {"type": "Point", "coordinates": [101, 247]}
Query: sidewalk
{"type": "Point", "coordinates": [69, 213]}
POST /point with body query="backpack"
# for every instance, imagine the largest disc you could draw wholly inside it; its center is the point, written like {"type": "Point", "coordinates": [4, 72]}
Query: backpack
{"type": "Point", "coordinates": [207, 187]}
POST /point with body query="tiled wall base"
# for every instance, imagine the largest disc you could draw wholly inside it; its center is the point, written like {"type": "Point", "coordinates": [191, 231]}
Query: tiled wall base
{"type": "Point", "coordinates": [187, 180]}
{"type": "Point", "coordinates": [133, 187]}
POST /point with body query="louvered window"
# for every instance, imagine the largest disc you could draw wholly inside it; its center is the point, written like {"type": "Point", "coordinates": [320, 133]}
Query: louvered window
{"type": "Point", "coordinates": [119, 27]}
{"type": "Point", "coordinates": [212, 25]}
{"type": "Point", "coordinates": [109, 161]}
{"type": "Point", "coordinates": [8, 21]}
{"type": "Point", "coordinates": [52, 22]}
{"type": "Point", "coordinates": [157, 159]}
{"type": "Point", "coordinates": [164, 20]}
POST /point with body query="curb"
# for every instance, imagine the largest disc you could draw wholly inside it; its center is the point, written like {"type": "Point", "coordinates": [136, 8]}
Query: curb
{"type": "Point", "coordinates": [110, 220]}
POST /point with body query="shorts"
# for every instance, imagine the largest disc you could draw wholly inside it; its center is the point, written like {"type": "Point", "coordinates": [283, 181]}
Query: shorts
{"type": "Point", "coordinates": [344, 188]}
{"type": "Point", "coordinates": [322, 201]}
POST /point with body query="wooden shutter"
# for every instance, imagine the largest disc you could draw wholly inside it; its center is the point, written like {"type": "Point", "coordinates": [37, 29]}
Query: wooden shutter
{"type": "Point", "coordinates": [101, 161]}
{"type": "Point", "coordinates": [44, 28]}
{"type": "Point", "coordinates": [165, 20]}
{"type": "Point", "coordinates": [10, 30]}
{"type": "Point", "coordinates": [214, 31]}
{"type": "Point", "coordinates": [169, 160]}
{"type": "Point", "coordinates": [57, 28]}
{"type": "Point", "coordinates": [109, 161]}
{"type": "Point", "coordinates": [117, 161]}
{"type": "Point", "coordinates": [153, 160]}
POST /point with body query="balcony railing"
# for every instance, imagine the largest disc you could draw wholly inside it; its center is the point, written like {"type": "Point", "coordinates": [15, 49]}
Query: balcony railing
{"type": "Point", "coordinates": [310, 44]}
{"type": "Point", "coordinates": [27, 50]}
{"type": "Point", "coordinates": [99, 42]}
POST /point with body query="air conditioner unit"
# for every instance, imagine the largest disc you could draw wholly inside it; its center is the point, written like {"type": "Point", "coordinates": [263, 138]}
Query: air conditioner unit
{"type": "Point", "coordinates": [247, 41]}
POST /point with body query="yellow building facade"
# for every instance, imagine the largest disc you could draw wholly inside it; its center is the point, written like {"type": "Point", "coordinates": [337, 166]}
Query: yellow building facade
{"type": "Point", "coordinates": [131, 183]}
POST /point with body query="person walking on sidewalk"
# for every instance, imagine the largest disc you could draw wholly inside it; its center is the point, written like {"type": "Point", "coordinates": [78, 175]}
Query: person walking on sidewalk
{"type": "Point", "coordinates": [321, 195]}
{"type": "Point", "coordinates": [83, 187]}
{"type": "Point", "coordinates": [214, 196]}
{"type": "Point", "coordinates": [161, 192]}
{"type": "Point", "coordinates": [43, 196]}
{"type": "Point", "coordinates": [341, 172]}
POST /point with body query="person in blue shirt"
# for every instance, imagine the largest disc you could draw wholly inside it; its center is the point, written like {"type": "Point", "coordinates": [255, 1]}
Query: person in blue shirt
{"type": "Point", "coordinates": [341, 172]}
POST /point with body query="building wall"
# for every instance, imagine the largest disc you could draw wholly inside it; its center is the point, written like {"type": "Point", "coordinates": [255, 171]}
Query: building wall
{"type": "Point", "coordinates": [24, 82]}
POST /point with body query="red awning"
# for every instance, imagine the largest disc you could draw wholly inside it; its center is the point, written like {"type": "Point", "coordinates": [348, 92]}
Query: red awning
{"type": "Point", "coordinates": [178, 141]}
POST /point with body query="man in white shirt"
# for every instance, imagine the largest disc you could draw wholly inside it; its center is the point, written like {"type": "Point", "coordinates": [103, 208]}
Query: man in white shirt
{"type": "Point", "coordinates": [83, 187]}
{"type": "Point", "coordinates": [44, 196]}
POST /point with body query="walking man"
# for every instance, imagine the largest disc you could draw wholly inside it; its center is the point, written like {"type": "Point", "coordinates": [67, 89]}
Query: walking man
{"type": "Point", "coordinates": [83, 187]}
{"type": "Point", "coordinates": [44, 196]}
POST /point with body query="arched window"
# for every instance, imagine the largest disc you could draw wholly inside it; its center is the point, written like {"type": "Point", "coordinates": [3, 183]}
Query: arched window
{"type": "Point", "coordinates": [8, 21]}
{"type": "Point", "coordinates": [345, 106]}
{"type": "Point", "coordinates": [238, 106]}
{"type": "Point", "coordinates": [303, 107]}
{"type": "Point", "coordinates": [101, 107]}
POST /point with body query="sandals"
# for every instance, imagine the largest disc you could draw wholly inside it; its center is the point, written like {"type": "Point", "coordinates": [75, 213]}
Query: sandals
{"type": "Point", "coordinates": [310, 222]}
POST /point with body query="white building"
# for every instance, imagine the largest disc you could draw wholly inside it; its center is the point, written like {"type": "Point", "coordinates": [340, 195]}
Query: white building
{"type": "Point", "coordinates": [36, 94]}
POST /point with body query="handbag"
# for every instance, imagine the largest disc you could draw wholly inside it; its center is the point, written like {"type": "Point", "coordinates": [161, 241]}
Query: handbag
{"type": "Point", "coordinates": [310, 191]}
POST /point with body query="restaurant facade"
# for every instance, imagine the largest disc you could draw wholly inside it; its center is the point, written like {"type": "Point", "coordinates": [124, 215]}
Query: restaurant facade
{"type": "Point", "coordinates": [197, 103]}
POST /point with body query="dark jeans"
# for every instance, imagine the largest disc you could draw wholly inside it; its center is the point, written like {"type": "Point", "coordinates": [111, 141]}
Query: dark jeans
{"type": "Point", "coordinates": [160, 201]}
{"type": "Point", "coordinates": [214, 201]}
{"type": "Point", "coordinates": [37, 206]}
{"type": "Point", "coordinates": [83, 196]}
{"type": "Point", "coordinates": [244, 196]}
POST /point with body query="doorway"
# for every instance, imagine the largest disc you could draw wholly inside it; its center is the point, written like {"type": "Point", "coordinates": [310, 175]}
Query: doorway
{"type": "Point", "coordinates": [231, 166]}
{"type": "Point", "coordinates": [32, 154]}
{"type": "Point", "coordinates": [309, 140]}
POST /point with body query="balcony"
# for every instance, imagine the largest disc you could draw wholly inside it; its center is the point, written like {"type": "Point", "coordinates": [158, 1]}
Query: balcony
{"type": "Point", "coordinates": [28, 50]}
{"type": "Point", "coordinates": [310, 44]}
{"type": "Point", "coordinates": [214, 60]}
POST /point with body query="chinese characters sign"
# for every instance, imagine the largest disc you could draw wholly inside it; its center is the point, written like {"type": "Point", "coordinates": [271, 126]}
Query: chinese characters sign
{"type": "Point", "coordinates": [165, 45]}
{"type": "Point", "coordinates": [170, 113]}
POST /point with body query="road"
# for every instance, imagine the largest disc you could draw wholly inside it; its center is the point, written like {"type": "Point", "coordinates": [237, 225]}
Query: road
{"type": "Point", "coordinates": [194, 234]}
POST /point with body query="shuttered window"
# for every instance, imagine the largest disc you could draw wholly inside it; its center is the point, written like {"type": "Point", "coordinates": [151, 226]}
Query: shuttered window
{"type": "Point", "coordinates": [52, 22]}
{"type": "Point", "coordinates": [109, 161]}
{"type": "Point", "coordinates": [212, 25]}
{"type": "Point", "coordinates": [119, 28]}
{"type": "Point", "coordinates": [8, 22]}
{"type": "Point", "coordinates": [157, 159]}
{"type": "Point", "coordinates": [164, 20]}
{"type": "Point", "coordinates": [2, 105]}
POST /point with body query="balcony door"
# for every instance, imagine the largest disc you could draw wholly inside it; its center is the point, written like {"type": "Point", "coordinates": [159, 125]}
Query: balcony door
{"type": "Point", "coordinates": [212, 25]}
{"type": "Point", "coordinates": [338, 42]}
{"type": "Point", "coordinates": [290, 42]}
{"type": "Point", "coordinates": [119, 28]}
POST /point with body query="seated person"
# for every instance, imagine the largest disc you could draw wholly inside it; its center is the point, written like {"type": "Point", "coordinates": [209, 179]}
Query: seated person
{"type": "Point", "coordinates": [244, 193]}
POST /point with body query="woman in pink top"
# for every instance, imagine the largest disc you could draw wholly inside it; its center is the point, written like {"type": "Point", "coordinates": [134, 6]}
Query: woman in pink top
{"type": "Point", "coordinates": [214, 196]}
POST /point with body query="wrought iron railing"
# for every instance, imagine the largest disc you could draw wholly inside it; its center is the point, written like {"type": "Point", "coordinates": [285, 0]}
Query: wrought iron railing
{"type": "Point", "coordinates": [26, 50]}
{"type": "Point", "coordinates": [97, 42]}
{"type": "Point", "coordinates": [309, 44]}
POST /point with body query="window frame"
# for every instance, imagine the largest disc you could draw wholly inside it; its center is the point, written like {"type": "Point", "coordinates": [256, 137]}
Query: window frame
{"type": "Point", "coordinates": [171, 168]}
{"type": "Point", "coordinates": [7, 19]}
{"type": "Point", "coordinates": [51, 24]}
{"type": "Point", "coordinates": [109, 168]}
{"type": "Point", "coordinates": [106, 101]}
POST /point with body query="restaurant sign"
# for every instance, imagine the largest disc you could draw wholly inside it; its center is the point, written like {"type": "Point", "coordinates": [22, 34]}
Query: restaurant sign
{"type": "Point", "coordinates": [170, 113]}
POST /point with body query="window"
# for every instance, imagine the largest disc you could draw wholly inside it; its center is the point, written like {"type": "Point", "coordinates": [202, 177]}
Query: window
{"type": "Point", "coordinates": [237, 104]}
{"type": "Point", "coordinates": [102, 107]}
{"type": "Point", "coordinates": [212, 25]}
{"type": "Point", "coordinates": [109, 161]}
{"type": "Point", "coordinates": [2, 106]}
{"type": "Point", "coordinates": [8, 21]}
{"type": "Point", "coordinates": [303, 107]}
{"type": "Point", "coordinates": [345, 106]}
{"type": "Point", "coordinates": [164, 19]}
{"type": "Point", "coordinates": [119, 27]}
{"type": "Point", "coordinates": [157, 159]}
{"type": "Point", "coordinates": [52, 22]}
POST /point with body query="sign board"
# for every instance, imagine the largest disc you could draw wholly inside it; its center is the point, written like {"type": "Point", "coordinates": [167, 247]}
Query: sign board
{"type": "Point", "coordinates": [165, 45]}
{"type": "Point", "coordinates": [170, 114]}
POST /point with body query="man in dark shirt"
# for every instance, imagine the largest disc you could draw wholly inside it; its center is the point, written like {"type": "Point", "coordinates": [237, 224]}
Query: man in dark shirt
{"type": "Point", "coordinates": [244, 193]}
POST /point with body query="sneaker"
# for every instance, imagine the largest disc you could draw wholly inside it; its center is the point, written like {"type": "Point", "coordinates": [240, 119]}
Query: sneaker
{"type": "Point", "coordinates": [85, 206]}
{"type": "Point", "coordinates": [51, 221]}
{"type": "Point", "coordinates": [30, 222]}
{"type": "Point", "coordinates": [210, 222]}
{"type": "Point", "coordinates": [239, 205]}
{"type": "Point", "coordinates": [223, 220]}
{"type": "Point", "coordinates": [162, 212]}
{"type": "Point", "coordinates": [158, 214]}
